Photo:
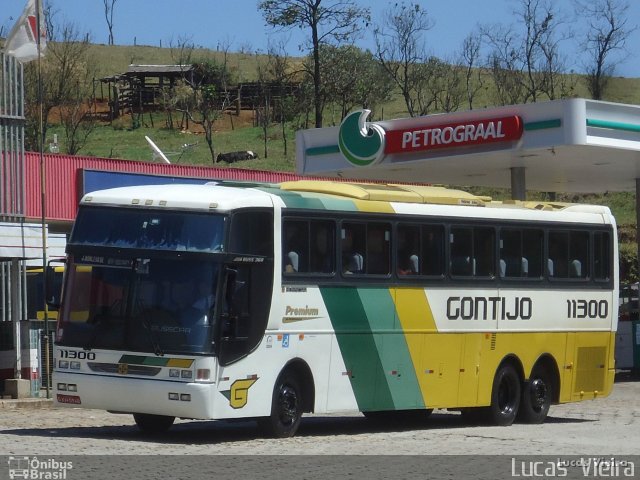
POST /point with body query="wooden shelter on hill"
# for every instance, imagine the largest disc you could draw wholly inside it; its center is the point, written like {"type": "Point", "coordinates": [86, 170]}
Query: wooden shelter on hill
{"type": "Point", "coordinates": [139, 89]}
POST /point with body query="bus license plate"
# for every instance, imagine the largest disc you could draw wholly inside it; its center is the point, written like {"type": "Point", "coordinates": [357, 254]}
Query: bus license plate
{"type": "Point", "coordinates": [73, 399]}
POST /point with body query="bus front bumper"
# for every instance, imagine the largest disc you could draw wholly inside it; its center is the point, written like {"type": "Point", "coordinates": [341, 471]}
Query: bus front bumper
{"type": "Point", "coordinates": [134, 395]}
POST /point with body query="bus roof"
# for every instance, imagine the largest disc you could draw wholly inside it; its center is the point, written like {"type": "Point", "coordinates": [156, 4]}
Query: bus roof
{"type": "Point", "coordinates": [328, 195]}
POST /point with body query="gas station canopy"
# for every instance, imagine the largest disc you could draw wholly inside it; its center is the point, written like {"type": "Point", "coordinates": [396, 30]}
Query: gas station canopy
{"type": "Point", "coordinates": [573, 145]}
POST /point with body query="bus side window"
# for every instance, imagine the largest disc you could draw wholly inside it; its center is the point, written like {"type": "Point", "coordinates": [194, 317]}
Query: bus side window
{"type": "Point", "coordinates": [378, 243]}
{"type": "Point", "coordinates": [408, 250]}
{"type": "Point", "coordinates": [578, 254]}
{"type": "Point", "coordinates": [461, 240]}
{"type": "Point", "coordinates": [601, 263]}
{"type": "Point", "coordinates": [252, 233]}
{"type": "Point", "coordinates": [353, 248]}
{"type": "Point", "coordinates": [322, 251]}
{"type": "Point", "coordinates": [295, 246]}
{"type": "Point", "coordinates": [483, 252]}
{"type": "Point", "coordinates": [521, 253]}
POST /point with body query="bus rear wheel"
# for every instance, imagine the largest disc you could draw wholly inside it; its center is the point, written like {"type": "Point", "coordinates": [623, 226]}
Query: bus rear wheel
{"type": "Point", "coordinates": [149, 423]}
{"type": "Point", "coordinates": [286, 408]}
{"type": "Point", "coordinates": [537, 395]}
{"type": "Point", "coordinates": [505, 396]}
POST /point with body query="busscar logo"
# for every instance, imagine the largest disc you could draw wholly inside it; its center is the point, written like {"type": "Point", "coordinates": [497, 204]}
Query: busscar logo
{"type": "Point", "coordinates": [36, 468]}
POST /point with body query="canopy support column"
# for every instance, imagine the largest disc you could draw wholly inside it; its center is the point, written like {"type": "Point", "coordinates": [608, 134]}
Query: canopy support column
{"type": "Point", "coordinates": [638, 221]}
{"type": "Point", "coordinates": [518, 185]}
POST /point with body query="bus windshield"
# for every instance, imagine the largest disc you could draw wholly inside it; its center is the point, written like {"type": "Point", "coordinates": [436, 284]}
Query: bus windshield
{"type": "Point", "coordinates": [145, 304]}
{"type": "Point", "coordinates": [156, 229]}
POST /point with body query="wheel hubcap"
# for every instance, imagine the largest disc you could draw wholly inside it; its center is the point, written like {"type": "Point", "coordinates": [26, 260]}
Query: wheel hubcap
{"type": "Point", "coordinates": [288, 403]}
{"type": "Point", "coordinates": [538, 394]}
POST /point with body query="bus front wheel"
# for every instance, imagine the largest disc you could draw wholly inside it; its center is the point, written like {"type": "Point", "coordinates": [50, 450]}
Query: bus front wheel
{"type": "Point", "coordinates": [537, 395]}
{"type": "Point", "coordinates": [148, 423]}
{"type": "Point", "coordinates": [505, 396]}
{"type": "Point", "coordinates": [286, 408]}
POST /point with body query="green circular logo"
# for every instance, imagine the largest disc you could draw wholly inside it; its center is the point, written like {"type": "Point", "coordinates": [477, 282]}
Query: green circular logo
{"type": "Point", "coordinates": [361, 142]}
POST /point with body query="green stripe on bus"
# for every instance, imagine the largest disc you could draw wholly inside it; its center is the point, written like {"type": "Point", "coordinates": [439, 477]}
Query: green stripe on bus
{"type": "Point", "coordinates": [338, 204]}
{"type": "Point", "coordinates": [398, 367]}
{"type": "Point", "coordinates": [312, 201]}
{"type": "Point", "coordinates": [295, 200]}
{"type": "Point", "coordinates": [358, 348]}
{"type": "Point", "coordinates": [144, 360]}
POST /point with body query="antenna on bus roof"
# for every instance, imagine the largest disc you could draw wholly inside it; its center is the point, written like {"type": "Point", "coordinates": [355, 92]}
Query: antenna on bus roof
{"type": "Point", "coordinates": [157, 153]}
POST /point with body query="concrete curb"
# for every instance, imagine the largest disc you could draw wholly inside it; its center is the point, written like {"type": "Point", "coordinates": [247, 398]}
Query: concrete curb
{"type": "Point", "coordinates": [30, 403]}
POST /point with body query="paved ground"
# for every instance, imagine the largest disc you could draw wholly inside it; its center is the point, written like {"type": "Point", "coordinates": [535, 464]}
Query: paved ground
{"type": "Point", "coordinates": [608, 426]}
{"type": "Point", "coordinates": [572, 429]}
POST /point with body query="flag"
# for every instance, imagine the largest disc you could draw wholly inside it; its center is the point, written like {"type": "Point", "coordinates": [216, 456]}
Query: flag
{"type": "Point", "coordinates": [22, 40]}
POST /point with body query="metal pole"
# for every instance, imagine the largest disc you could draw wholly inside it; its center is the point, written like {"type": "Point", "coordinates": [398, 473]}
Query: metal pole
{"type": "Point", "coordinates": [14, 301]}
{"type": "Point", "coordinates": [638, 223]}
{"type": "Point", "coordinates": [43, 197]}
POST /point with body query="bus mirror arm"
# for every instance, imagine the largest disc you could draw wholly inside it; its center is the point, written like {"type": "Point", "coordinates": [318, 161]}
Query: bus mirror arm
{"type": "Point", "coordinates": [228, 316]}
{"type": "Point", "coordinates": [53, 293]}
{"type": "Point", "coordinates": [229, 288]}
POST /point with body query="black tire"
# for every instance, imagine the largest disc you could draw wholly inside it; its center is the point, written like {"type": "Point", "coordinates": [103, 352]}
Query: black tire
{"type": "Point", "coordinates": [505, 396]}
{"type": "Point", "coordinates": [537, 395]}
{"type": "Point", "coordinates": [148, 423]}
{"type": "Point", "coordinates": [286, 408]}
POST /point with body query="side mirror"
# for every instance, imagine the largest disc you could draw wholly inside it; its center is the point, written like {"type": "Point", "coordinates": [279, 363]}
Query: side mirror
{"type": "Point", "coordinates": [53, 283]}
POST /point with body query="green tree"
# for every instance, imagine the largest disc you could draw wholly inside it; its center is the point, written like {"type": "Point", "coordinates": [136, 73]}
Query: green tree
{"type": "Point", "coordinates": [356, 80]}
{"type": "Point", "coordinates": [327, 20]}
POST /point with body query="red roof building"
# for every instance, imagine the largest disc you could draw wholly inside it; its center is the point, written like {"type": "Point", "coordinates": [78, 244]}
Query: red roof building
{"type": "Point", "coordinates": [65, 173]}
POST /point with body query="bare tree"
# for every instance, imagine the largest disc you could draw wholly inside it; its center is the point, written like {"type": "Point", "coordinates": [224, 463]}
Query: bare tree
{"type": "Point", "coordinates": [328, 20]}
{"type": "Point", "coordinates": [607, 33]}
{"type": "Point", "coordinates": [67, 73]}
{"type": "Point", "coordinates": [203, 97]}
{"type": "Point", "coordinates": [281, 71]}
{"type": "Point", "coordinates": [401, 52]}
{"type": "Point", "coordinates": [108, 15]}
{"type": "Point", "coordinates": [448, 85]}
{"type": "Point", "coordinates": [528, 66]}
{"type": "Point", "coordinates": [470, 60]}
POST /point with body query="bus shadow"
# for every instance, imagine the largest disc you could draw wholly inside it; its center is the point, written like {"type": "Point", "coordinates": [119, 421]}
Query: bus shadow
{"type": "Point", "coordinates": [221, 432]}
{"type": "Point", "coordinates": [623, 376]}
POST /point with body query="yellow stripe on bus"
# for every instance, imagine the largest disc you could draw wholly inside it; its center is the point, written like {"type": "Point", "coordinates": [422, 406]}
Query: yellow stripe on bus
{"type": "Point", "coordinates": [416, 319]}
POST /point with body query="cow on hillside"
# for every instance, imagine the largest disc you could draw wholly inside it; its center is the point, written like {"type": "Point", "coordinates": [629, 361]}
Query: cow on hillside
{"type": "Point", "coordinates": [232, 157]}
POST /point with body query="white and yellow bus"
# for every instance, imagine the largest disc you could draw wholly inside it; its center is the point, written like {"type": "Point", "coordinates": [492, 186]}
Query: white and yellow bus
{"type": "Point", "coordinates": [232, 300]}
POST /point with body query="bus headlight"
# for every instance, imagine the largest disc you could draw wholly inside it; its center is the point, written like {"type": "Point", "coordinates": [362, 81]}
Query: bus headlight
{"type": "Point", "coordinates": [74, 365]}
{"type": "Point", "coordinates": [63, 363]}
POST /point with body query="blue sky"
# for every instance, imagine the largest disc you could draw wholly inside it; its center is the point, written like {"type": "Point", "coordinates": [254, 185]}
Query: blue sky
{"type": "Point", "coordinates": [210, 23]}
